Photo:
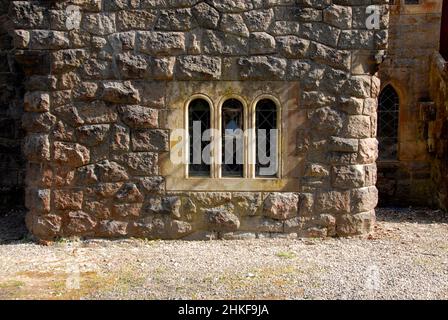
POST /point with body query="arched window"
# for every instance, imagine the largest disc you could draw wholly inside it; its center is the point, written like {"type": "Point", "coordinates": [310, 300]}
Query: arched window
{"type": "Point", "coordinates": [267, 139]}
{"type": "Point", "coordinates": [232, 126]}
{"type": "Point", "coordinates": [199, 116]}
{"type": "Point", "coordinates": [388, 112]}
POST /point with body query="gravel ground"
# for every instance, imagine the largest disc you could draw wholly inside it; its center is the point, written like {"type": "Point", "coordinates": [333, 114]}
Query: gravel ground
{"type": "Point", "coordinates": [406, 258]}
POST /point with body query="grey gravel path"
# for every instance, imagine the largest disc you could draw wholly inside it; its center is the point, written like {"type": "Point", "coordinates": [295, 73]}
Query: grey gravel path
{"type": "Point", "coordinates": [406, 258]}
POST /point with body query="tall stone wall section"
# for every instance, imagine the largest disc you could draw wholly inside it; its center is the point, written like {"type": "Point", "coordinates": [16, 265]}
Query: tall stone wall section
{"type": "Point", "coordinates": [413, 37]}
{"type": "Point", "coordinates": [12, 163]}
{"type": "Point", "coordinates": [91, 86]}
{"type": "Point", "coordinates": [438, 129]}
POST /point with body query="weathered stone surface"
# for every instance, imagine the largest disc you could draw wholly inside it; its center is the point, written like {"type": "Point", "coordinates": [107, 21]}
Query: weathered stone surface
{"type": "Point", "coordinates": [113, 229]}
{"type": "Point", "coordinates": [261, 43]}
{"type": "Point", "coordinates": [348, 177]}
{"type": "Point", "coordinates": [38, 122]}
{"type": "Point", "coordinates": [162, 68]}
{"type": "Point", "coordinates": [109, 171]}
{"type": "Point", "coordinates": [127, 211]}
{"type": "Point", "coordinates": [67, 199]}
{"type": "Point", "coordinates": [80, 224]}
{"type": "Point", "coordinates": [93, 135]}
{"type": "Point", "coordinates": [222, 219]}
{"type": "Point", "coordinates": [45, 227]}
{"type": "Point", "coordinates": [338, 16]}
{"type": "Point", "coordinates": [150, 140]}
{"type": "Point", "coordinates": [206, 15]}
{"type": "Point", "coordinates": [198, 68]}
{"type": "Point", "coordinates": [37, 102]}
{"type": "Point", "coordinates": [257, 68]}
{"type": "Point", "coordinates": [38, 200]}
{"type": "Point", "coordinates": [261, 224]}
{"type": "Point", "coordinates": [234, 24]}
{"type": "Point", "coordinates": [139, 117]}
{"type": "Point", "coordinates": [120, 92]}
{"type": "Point", "coordinates": [131, 66]}
{"type": "Point", "coordinates": [333, 202]}
{"type": "Point", "coordinates": [140, 163]}
{"type": "Point", "coordinates": [248, 204]}
{"type": "Point", "coordinates": [343, 144]}
{"type": "Point", "coordinates": [326, 122]}
{"type": "Point", "coordinates": [37, 147]}
{"type": "Point", "coordinates": [364, 199]}
{"type": "Point", "coordinates": [120, 138]}
{"type": "Point", "coordinates": [360, 223]}
{"type": "Point", "coordinates": [99, 23]}
{"type": "Point", "coordinates": [161, 43]}
{"type": "Point", "coordinates": [175, 20]}
{"type": "Point", "coordinates": [281, 206]}
{"type": "Point", "coordinates": [292, 46]}
{"type": "Point", "coordinates": [259, 20]}
{"type": "Point", "coordinates": [231, 5]}
{"type": "Point", "coordinates": [71, 154]}
{"type": "Point", "coordinates": [89, 113]}
{"type": "Point", "coordinates": [100, 103]}
{"type": "Point", "coordinates": [220, 43]}
{"type": "Point", "coordinates": [129, 193]}
{"type": "Point", "coordinates": [135, 20]}
{"type": "Point", "coordinates": [152, 184]}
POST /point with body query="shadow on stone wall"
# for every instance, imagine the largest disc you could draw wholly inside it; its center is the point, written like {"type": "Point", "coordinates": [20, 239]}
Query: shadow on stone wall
{"type": "Point", "coordinates": [12, 163]}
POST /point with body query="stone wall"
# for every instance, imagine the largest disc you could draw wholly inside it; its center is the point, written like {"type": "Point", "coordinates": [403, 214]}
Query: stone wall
{"type": "Point", "coordinates": [414, 36]}
{"type": "Point", "coordinates": [12, 162]}
{"type": "Point", "coordinates": [93, 82]}
{"type": "Point", "coordinates": [438, 129]}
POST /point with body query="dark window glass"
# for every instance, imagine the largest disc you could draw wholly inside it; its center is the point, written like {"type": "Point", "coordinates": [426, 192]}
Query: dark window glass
{"type": "Point", "coordinates": [199, 121]}
{"type": "Point", "coordinates": [266, 139]}
{"type": "Point", "coordinates": [232, 138]}
{"type": "Point", "coordinates": [388, 111]}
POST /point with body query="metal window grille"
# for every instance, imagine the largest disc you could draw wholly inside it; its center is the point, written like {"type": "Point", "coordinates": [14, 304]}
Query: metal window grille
{"type": "Point", "coordinates": [266, 119]}
{"type": "Point", "coordinates": [198, 111]}
{"type": "Point", "coordinates": [388, 112]}
{"type": "Point", "coordinates": [232, 138]}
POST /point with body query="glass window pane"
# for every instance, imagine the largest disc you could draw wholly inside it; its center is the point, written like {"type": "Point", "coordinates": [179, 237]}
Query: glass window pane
{"type": "Point", "coordinates": [388, 112]}
{"type": "Point", "coordinates": [266, 139]}
{"type": "Point", "coordinates": [199, 116]}
{"type": "Point", "coordinates": [232, 138]}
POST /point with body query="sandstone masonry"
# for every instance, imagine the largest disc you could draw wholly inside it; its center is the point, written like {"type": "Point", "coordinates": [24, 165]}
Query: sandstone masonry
{"type": "Point", "coordinates": [98, 75]}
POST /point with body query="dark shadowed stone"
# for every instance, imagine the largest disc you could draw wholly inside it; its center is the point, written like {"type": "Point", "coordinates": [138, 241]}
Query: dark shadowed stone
{"type": "Point", "coordinates": [93, 135]}
{"type": "Point", "coordinates": [206, 15]}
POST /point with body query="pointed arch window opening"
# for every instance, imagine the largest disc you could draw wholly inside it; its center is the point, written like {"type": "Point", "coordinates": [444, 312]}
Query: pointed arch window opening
{"type": "Point", "coordinates": [388, 121]}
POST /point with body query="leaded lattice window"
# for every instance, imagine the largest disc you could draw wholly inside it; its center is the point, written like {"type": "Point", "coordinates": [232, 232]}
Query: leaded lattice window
{"type": "Point", "coordinates": [199, 116]}
{"type": "Point", "coordinates": [388, 113]}
{"type": "Point", "coordinates": [266, 138]}
{"type": "Point", "coordinates": [232, 138]}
